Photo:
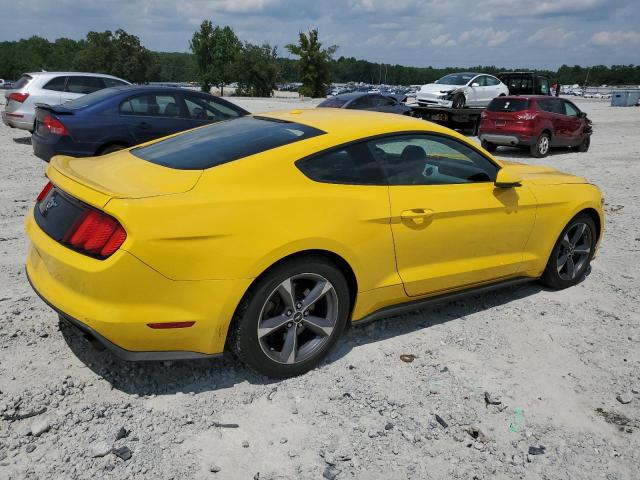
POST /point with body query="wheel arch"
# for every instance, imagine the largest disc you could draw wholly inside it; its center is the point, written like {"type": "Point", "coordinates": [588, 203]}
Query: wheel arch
{"type": "Point", "coordinates": [110, 143]}
{"type": "Point", "coordinates": [593, 213]}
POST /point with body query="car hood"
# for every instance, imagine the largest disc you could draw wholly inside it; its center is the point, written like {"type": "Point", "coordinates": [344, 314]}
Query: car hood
{"type": "Point", "coordinates": [543, 175]}
{"type": "Point", "coordinates": [439, 88]}
{"type": "Point", "coordinates": [97, 180]}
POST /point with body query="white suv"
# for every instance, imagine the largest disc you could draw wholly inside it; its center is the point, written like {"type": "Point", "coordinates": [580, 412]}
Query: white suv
{"type": "Point", "coordinates": [52, 88]}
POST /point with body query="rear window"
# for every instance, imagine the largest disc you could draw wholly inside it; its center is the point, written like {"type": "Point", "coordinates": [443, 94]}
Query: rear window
{"type": "Point", "coordinates": [22, 82]}
{"type": "Point", "coordinates": [333, 102]}
{"type": "Point", "coordinates": [503, 104]}
{"type": "Point", "coordinates": [224, 142]}
{"type": "Point", "coordinates": [90, 99]}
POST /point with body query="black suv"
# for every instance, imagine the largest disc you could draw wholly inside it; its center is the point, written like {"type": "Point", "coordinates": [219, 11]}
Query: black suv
{"type": "Point", "coordinates": [526, 83]}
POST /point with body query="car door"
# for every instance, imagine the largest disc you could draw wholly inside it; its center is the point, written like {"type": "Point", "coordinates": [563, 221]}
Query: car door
{"type": "Point", "coordinates": [492, 89]}
{"type": "Point", "coordinates": [80, 85]}
{"type": "Point", "coordinates": [574, 123]}
{"type": "Point", "coordinates": [153, 115]}
{"type": "Point", "coordinates": [203, 110]}
{"type": "Point", "coordinates": [451, 226]}
{"type": "Point", "coordinates": [476, 91]}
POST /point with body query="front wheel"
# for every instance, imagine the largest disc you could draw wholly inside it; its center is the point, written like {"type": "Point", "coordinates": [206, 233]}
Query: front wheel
{"type": "Point", "coordinates": [584, 146]}
{"type": "Point", "coordinates": [572, 253]}
{"type": "Point", "coordinates": [458, 101]}
{"type": "Point", "coordinates": [291, 318]}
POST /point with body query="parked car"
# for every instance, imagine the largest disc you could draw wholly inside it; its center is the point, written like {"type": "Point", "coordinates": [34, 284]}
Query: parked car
{"type": "Point", "coordinates": [267, 234]}
{"type": "Point", "coordinates": [51, 88]}
{"type": "Point", "coordinates": [535, 122]}
{"type": "Point", "coordinates": [526, 83]}
{"type": "Point", "coordinates": [459, 90]}
{"type": "Point", "coordinates": [376, 102]}
{"type": "Point", "coordinates": [119, 117]}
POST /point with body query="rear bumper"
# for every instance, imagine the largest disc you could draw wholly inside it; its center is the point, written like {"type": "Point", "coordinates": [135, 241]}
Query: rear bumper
{"type": "Point", "coordinates": [49, 146]}
{"type": "Point", "coordinates": [507, 139]}
{"type": "Point", "coordinates": [17, 120]}
{"type": "Point", "coordinates": [114, 300]}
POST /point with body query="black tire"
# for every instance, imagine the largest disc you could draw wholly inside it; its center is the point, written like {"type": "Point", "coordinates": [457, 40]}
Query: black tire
{"type": "Point", "coordinates": [111, 148]}
{"type": "Point", "coordinates": [557, 275]}
{"type": "Point", "coordinates": [488, 146]}
{"type": "Point", "coordinates": [458, 101]}
{"type": "Point", "coordinates": [584, 146]}
{"type": "Point", "coordinates": [266, 354]}
{"type": "Point", "coordinates": [541, 147]}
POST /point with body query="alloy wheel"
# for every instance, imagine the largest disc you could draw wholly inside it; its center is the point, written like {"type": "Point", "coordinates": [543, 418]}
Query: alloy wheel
{"type": "Point", "coordinates": [543, 146]}
{"type": "Point", "coordinates": [298, 318]}
{"type": "Point", "coordinates": [574, 252]}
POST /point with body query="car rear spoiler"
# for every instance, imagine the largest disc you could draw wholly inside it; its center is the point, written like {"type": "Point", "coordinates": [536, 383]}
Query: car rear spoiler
{"type": "Point", "coordinates": [59, 109]}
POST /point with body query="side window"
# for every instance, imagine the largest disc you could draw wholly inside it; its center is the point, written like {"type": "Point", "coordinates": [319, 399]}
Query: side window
{"type": "Point", "coordinates": [380, 101]}
{"type": "Point", "coordinates": [56, 84]}
{"type": "Point", "coordinates": [492, 81]}
{"type": "Point", "coordinates": [349, 165]}
{"type": "Point", "coordinates": [112, 82]}
{"type": "Point", "coordinates": [570, 109]}
{"type": "Point", "coordinates": [362, 102]}
{"type": "Point", "coordinates": [481, 81]}
{"type": "Point", "coordinates": [84, 84]}
{"type": "Point", "coordinates": [201, 108]}
{"type": "Point", "coordinates": [153, 105]}
{"type": "Point", "coordinates": [431, 160]}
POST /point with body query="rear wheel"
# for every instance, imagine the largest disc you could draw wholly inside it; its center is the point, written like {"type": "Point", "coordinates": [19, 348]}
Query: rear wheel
{"type": "Point", "coordinates": [488, 146]}
{"type": "Point", "coordinates": [458, 101]}
{"type": "Point", "coordinates": [572, 253]}
{"type": "Point", "coordinates": [541, 147]}
{"type": "Point", "coordinates": [584, 146]}
{"type": "Point", "coordinates": [291, 318]}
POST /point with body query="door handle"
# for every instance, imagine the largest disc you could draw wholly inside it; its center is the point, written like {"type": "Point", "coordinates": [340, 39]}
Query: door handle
{"type": "Point", "coordinates": [416, 213]}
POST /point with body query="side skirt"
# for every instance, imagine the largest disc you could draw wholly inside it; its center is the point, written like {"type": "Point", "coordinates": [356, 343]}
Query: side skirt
{"type": "Point", "coordinates": [443, 298]}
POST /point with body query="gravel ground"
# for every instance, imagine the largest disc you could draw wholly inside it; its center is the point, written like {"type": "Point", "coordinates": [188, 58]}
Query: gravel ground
{"type": "Point", "coordinates": [558, 369]}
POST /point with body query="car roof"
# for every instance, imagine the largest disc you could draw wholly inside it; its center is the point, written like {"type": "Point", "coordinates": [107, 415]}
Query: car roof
{"type": "Point", "coordinates": [347, 125]}
{"type": "Point", "coordinates": [79, 74]}
{"type": "Point", "coordinates": [352, 95]}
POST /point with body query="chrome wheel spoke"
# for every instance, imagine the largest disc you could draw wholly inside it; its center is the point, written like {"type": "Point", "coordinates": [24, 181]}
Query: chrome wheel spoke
{"type": "Point", "coordinates": [320, 326]}
{"type": "Point", "coordinates": [270, 325]}
{"type": "Point", "coordinates": [562, 260]}
{"type": "Point", "coordinates": [571, 267]}
{"type": "Point", "coordinates": [290, 347]}
{"type": "Point", "coordinates": [582, 250]}
{"type": "Point", "coordinates": [566, 243]}
{"type": "Point", "coordinates": [577, 235]}
{"type": "Point", "coordinates": [320, 290]}
{"type": "Point", "coordinates": [286, 292]}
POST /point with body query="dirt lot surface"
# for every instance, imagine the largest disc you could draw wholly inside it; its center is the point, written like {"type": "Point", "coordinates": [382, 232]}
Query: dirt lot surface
{"type": "Point", "coordinates": [556, 362]}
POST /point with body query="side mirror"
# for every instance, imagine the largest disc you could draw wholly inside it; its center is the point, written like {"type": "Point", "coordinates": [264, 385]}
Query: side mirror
{"type": "Point", "coordinates": [582, 115]}
{"type": "Point", "coordinates": [475, 84]}
{"type": "Point", "coordinates": [508, 177]}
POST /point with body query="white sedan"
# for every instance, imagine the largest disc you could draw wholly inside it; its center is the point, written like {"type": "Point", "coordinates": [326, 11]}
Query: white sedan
{"type": "Point", "coordinates": [459, 90]}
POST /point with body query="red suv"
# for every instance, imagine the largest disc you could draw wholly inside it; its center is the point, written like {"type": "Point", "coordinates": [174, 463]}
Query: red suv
{"type": "Point", "coordinates": [537, 122]}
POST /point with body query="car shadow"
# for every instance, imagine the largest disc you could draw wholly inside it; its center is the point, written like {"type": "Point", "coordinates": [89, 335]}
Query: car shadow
{"type": "Point", "coordinates": [23, 140]}
{"type": "Point", "coordinates": [514, 152]}
{"type": "Point", "coordinates": [170, 377]}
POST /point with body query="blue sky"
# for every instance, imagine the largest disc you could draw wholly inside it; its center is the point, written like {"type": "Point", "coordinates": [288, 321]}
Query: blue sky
{"type": "Point", "coordinates": [507, 33]}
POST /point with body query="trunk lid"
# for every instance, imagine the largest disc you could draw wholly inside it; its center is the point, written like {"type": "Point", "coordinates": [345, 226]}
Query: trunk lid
{"type": "Point", "coordinates": [96, 180]}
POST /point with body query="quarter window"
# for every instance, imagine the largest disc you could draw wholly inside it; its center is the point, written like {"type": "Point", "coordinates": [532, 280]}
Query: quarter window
{"type": "Point", "coordinates": [430, 160]}
{"type": "Point", "coordinates": [492, 81]}
{"type": "Point", "coordinates": [351, 165]}
{"type": "Point", "coordinates": [56, 84]}
{"type": "Point", "coordinates": [205, 109]}
{"type": "Point", "coordinates": [570, 109]}
{"type": "Point", "coordinates": [112, 82]}
{"type": "Point", "coordinates": [151, 105]}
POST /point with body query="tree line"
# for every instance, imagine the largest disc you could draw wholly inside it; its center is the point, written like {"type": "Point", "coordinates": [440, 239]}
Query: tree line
{"type": "Point", "coordinates": [218, 57]}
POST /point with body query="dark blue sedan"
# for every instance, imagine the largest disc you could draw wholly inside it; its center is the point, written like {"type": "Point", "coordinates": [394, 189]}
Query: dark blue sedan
{"type": "Point", "coordinates": [120, 117]}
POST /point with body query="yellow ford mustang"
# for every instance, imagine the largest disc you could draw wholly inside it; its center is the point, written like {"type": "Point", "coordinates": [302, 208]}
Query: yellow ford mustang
{"type": "Point", "coordinates": [268, 234]}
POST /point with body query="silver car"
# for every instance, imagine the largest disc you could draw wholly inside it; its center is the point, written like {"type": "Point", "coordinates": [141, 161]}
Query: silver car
{"type": "Point", "coordinates": [52, 88]}
{"type": "Point", "coordinates": [459, 90]}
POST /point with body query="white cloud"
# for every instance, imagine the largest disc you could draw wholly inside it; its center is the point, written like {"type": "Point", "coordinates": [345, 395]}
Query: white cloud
{"type": "Point", "coordinates": [444, 40]}
{"type": "Point", "coordinates": [552, 36]}
{"type": "Point", "coordinates": [615, 38]}
{"type": "Point", "coordinates": [485, 36]}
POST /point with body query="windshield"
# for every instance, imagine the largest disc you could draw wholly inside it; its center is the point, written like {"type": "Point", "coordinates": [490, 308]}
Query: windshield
{"type": "Point", "coordinates": [456, 79]}
{"type": "Point", "coordinates": [224, 142]}
{"type": "Point", "coordinates": [89, 99]}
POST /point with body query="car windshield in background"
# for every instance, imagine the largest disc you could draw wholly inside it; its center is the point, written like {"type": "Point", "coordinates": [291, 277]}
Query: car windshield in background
{"type": "Point", "coordinates": [508, 105]}
{"type": "Point", "coordinates": [89, 99]}
{"type": "Point", "coordinates": [22, 82]}
{"type": "Point", "coordinates": [456, 79]}
{"type": "Point", "coordinates": [224, 142]}
{"type": "Point", "coordinates": [333, 102]}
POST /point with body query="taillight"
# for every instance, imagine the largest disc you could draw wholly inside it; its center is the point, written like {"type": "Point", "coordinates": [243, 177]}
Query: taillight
{"type": "Point", "coordinates": [18, 97]}
{"type": "Point", "coordinates": [526, 116]}
{"type": "Point", "coordinates": [54, 126]}
{"type": "Point", "coordinates": [96, 234]}
{"type": "Point", "coordinates": [47, 188]}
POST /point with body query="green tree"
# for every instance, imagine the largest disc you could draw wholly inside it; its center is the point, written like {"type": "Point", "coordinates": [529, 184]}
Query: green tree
{"type": "Point", "coordinates": [216, 49]}
{"type": "Point", "coordinates": [256, 70]}
{"type": "Point", "coordinates": [314, 63]}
